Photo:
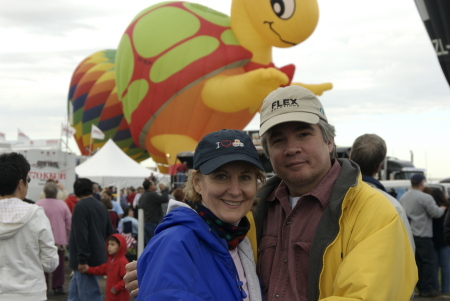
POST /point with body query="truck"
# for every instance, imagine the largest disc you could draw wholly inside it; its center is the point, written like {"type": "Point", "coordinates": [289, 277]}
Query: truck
{"type": "Point", "coordinates": [392, 169]}
{"type": "Point", "coordinates": [50, 163]}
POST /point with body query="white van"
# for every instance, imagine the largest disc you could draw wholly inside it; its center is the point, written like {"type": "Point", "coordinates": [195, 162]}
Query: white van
{"type": "Point", "coordinates": [396, 187]}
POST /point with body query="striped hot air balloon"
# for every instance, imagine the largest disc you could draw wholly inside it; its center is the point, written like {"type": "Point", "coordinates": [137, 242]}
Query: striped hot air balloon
{"type": "Point", "coordinates": [93, 100]}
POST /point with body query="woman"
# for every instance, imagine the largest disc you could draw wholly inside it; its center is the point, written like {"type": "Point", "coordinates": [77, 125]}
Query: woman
{"type": "Point", "coordinates": [27, 247]}
{"type": "Point", "coordinates": [200, 250]}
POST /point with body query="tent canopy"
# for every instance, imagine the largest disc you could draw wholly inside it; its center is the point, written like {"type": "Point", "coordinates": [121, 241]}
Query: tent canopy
{"type": "Point", "coordinates": [110, 166]}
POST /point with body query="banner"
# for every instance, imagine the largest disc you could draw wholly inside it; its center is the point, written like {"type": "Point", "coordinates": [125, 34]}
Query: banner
{"type": "Point", "coordinates": [96, 133]}
{"type": "Point", "coordinates": [22, 137]}
{"type": "Point", "coordinates": [67, 130]}
{"type": "Point", "coordinates": [435, 15]}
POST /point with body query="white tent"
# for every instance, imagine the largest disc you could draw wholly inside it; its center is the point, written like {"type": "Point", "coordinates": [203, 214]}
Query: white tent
{"type": "Point", "coordinates": [110, 166]}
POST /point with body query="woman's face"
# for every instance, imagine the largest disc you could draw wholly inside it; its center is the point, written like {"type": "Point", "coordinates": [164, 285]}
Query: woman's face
{"type": "Point", "coordinates": [229, 191]}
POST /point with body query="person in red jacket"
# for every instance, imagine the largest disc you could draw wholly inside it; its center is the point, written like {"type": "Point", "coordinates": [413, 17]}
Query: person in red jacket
{"type": "Point", "coordinates": [114, 269]}
{"type": "Point", "coordinates": [71, 201]}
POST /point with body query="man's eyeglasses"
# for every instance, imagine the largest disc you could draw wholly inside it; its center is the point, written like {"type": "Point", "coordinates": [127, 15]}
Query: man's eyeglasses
{"type": "Point", "coordinates": [28, 180]}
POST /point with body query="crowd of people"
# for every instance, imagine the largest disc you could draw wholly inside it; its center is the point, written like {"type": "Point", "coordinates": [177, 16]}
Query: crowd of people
{"type": "Point", "coordinates": [324, 228]}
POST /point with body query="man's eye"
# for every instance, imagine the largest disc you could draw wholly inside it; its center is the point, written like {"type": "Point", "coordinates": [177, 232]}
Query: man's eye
{"type": "Point", "coordinates": [277, 140]}
{"type": "Point", "coordinates": [304, 134]}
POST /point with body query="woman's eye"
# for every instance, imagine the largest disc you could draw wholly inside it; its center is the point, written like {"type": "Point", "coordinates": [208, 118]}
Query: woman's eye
{"type": "Point", "coordinates": [221, 177]}
{"type": "Point", "coordinates": [284, 9]}
{"type": "Point", "coordinates": [246, 177]}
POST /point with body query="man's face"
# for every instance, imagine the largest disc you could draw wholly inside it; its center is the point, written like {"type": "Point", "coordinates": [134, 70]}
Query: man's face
{"type": "Point", "coordinates": [152, 186]}
{"type": "Point", "coordinates": [299, 155]}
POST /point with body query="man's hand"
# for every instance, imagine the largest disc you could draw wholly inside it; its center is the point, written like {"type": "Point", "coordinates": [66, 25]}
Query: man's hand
{"type": "Point", "coordinates": [82, 268]}
{"type": "Point", "coordinates": [130, 279]}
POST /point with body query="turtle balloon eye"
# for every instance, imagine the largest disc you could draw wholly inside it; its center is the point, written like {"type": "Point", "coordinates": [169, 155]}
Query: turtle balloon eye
{"type": "Point", "coordinates": [284, 9]}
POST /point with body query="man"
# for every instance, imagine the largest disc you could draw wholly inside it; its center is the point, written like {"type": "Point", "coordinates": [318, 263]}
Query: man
{"type": "Point", "coordinates": [90, 228]}
{"type": "Point", "coordinates": [131, 194]}
{"type": "Point", "coordinates": [150, 201]}
{"type": "Point", "coordinates": [60, 219]}
{"type": "Point", "coordinates": [369, 152]}
{"type": "Point", "coordinates": [62, 192]}
{"type": "Point", "coordinates": [116, 206]}
{"type": "Point", "coordinates": [421, 209]}
{"type": "Point", "coordinates": [322, 233]}
{"type": "Point", "coordinates": [27, 247]}
{"type": "Point", "coordinates": [96, 192]}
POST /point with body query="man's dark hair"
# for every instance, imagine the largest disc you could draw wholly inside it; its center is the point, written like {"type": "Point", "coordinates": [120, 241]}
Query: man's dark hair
{"type": "Point", "coordinates": [13, 168]}
{"type": "Point", "coordinates": [368, 151]}
{"type": "Point", "coordinates": [82, 187]}
{"type": "Point", "coordinates": [146, 184]}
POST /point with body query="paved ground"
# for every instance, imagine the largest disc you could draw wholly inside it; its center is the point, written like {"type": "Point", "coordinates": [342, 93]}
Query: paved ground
{"type": "Point", "coordinates": [440, 298]}
{"type": "Point", "coordinates": [51, 296]}
{"type": "Point", "coordinates": [102, 283]}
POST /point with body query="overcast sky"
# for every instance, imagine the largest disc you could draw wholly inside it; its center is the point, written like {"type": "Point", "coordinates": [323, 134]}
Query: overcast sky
{"type": "Point", "coordinates": [386, 76]}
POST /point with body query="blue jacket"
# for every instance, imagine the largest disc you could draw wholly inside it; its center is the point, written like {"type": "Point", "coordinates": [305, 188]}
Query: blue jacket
{"type": "Point", "coordinates": [186, 261]}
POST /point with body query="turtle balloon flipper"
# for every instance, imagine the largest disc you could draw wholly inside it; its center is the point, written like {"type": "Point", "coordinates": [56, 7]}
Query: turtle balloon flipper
{"type": "Point", "coordinates": [233, 93]}
{"type": "Point", "coordinates": [317, 89]}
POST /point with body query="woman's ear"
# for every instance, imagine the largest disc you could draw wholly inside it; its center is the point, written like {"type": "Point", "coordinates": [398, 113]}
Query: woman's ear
{"type": "Point", "coordinates": [196, 180]}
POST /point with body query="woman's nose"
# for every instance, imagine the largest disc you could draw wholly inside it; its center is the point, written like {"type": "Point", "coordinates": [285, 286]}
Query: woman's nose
{"type": "Point", "coordinates": [234, 189]}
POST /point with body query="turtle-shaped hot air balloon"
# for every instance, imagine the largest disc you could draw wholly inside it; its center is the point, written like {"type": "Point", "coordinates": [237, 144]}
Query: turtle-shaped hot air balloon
{"type": "Point", "coordinates": [184, 70]}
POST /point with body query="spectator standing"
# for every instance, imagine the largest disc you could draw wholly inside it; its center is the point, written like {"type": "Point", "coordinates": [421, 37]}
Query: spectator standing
{"type": "Point", "coordinates": [369, 152]}
{"type": "Point", "coordinates": [115, 206]}
{"type": "Point", "coordinates": [27, 247]}
{"type": "Point", "coordinates": [322, 232]}
{"type": "Point", "coordinates": [62, 192]}
{"type": "Point", "coordinates": [123, 199]}
{"type": "Point", "coordinates": [150, 201]}
{"type": "Point", "coordinates": [71, 201]}
{"type": "Point", "coordinates": [60, 220]}
{"type": "Point", "coordinates": [140, 191]}
{"type": "Point", "coordinates": [131, 195]}
{"type": "Point", "coordinates": [114, 218]}
{"type": "Point", "coordinates": [96, 193]}
{"type": "Point", "coordinates": [421, 209]}
{"type": "Point", "coordinates": [441, 248]}
{"type": "Point", "coordinates": [90, 228]}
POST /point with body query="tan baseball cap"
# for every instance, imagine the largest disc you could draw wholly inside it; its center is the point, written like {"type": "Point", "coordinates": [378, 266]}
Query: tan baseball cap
{"type": "Point", "coordinates": [292, 103]}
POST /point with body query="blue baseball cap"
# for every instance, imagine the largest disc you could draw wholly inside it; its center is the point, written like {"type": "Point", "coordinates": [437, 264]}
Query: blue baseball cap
{"type": "Point", "coordinates": [222, 147]}
{"type": "Point", "coordinates": [417, 178]}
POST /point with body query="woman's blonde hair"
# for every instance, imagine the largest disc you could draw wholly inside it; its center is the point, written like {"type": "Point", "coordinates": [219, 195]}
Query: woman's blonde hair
{"type": "Point", "coordinates": [193, 196]}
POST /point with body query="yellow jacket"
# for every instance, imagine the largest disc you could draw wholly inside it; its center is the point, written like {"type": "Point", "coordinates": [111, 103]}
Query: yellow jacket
{"type": "Point", "coordinates": [361, 250]}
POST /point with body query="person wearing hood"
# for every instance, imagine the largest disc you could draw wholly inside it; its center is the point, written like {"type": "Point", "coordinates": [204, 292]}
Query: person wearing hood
{"type": "Point", "coordinates": [114, 269]}
{"type": "Point", "coordinates": [201, 250]}
{"type": "Point", "coordinates": [27, 246]}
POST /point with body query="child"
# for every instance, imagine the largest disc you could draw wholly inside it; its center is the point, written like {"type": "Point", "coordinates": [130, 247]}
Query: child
{"type": "Point", "coordinates": [114, 269]}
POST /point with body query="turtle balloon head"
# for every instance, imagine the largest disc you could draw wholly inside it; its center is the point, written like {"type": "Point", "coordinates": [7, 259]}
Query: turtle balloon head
{"type": "Point", "coordinates": [283, 23]}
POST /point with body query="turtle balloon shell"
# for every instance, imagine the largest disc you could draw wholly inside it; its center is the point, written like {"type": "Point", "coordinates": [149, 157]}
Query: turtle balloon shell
{"type": "Point", "coordinates": [167, 50]}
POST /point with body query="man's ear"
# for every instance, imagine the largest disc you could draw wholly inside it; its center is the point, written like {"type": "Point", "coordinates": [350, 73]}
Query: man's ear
{"type": "Point", "coordinates": [379, 167]}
